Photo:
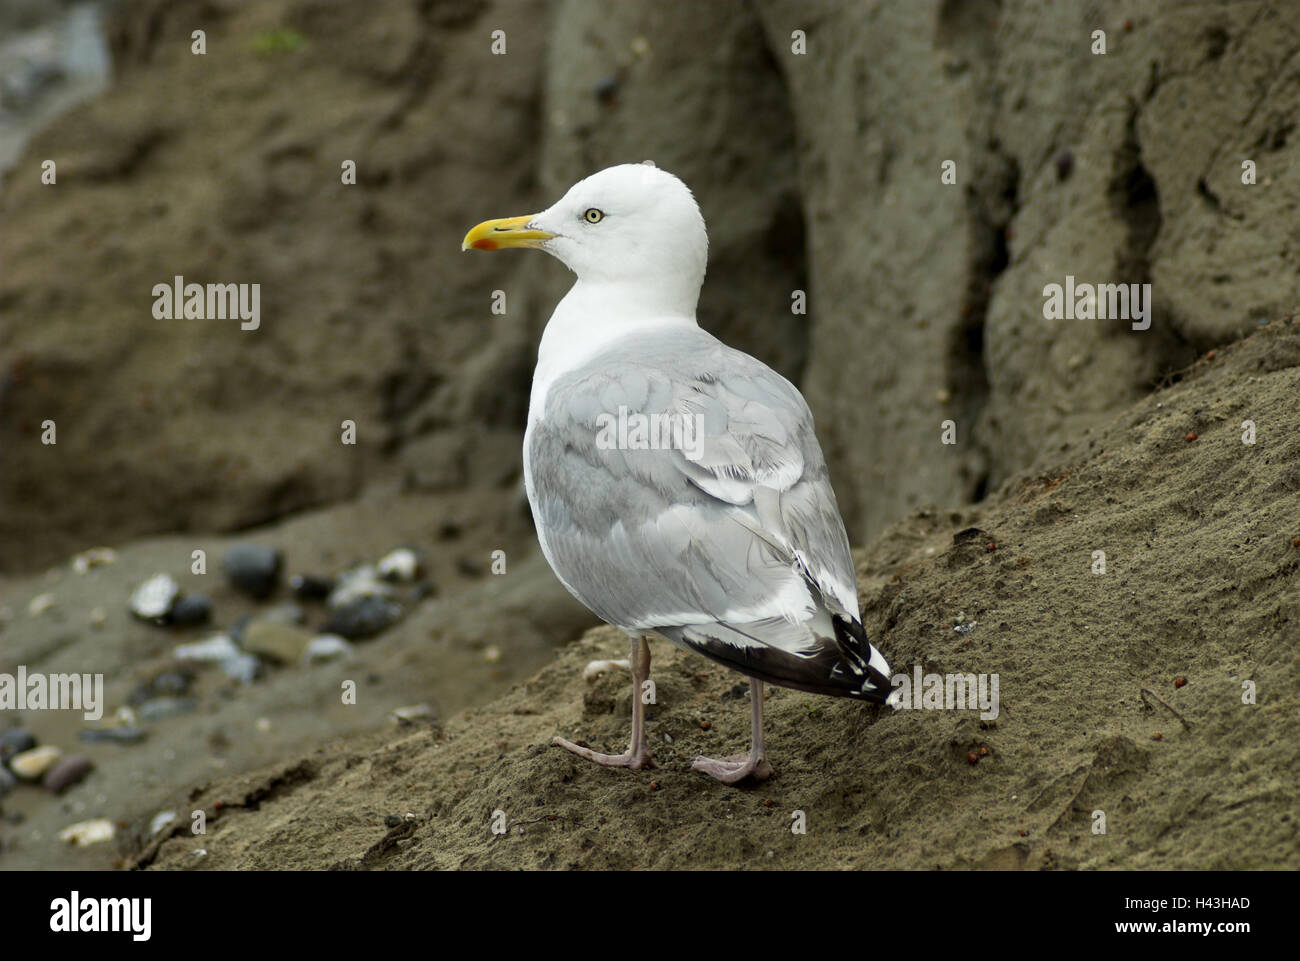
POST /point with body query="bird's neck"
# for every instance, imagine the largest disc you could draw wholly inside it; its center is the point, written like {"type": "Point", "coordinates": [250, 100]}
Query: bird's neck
{"type": "Point", "coordinates": [591, 317]}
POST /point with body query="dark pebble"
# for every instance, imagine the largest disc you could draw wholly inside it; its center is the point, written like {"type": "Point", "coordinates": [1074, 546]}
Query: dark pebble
{"type": "Point", "coordinates": [362, 617]}
{"type": "Point", "coordinates": [15, 741]}
{"type": "Point", "coordinates": [424, 590]}
{"type": "Point", "coordinates": [71, 770]}
{"type": "Point", "coordinates": [393, 820]}
{"type": "Point", "coordinates": [468, 567]}
{"type": "Point", "coordinates": [311, 587]}
{"type": "Point", "coordinates": [191, 609]}
{"type": "Point", "coordinates": [165, 707]}
{"type": "Point", "coordinates": [166, 684]}
{"type": "Point", "coordinates": [253, 569]}
{"type": "Point", "coordinates": [236, 630]}
{"type": "Point", "coordinates": [606, 89]}
{"type": "Point", "coordinates": [1064, 165]}
{"type": "Point", "coordinates": [112, 735]}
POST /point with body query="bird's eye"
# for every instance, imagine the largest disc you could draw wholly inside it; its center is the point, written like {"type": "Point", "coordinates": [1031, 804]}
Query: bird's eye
{"type": "Point", "coordinates": [593, 216]}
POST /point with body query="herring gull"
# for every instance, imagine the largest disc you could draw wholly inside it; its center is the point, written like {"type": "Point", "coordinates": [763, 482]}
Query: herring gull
{"type": "Point", "coordinates": [676, 484]}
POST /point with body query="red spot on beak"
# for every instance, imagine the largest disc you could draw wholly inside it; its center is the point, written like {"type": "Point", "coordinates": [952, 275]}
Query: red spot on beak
{"type": "Point", "coordinates": [484, 244]}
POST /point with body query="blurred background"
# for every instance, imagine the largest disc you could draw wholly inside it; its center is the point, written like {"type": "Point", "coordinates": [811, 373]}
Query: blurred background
{"type": "Point", "coordinates": [813, 135]}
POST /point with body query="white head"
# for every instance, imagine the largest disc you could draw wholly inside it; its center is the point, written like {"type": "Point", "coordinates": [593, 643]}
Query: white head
{"type": "Point", "coordinates": [633, 225]}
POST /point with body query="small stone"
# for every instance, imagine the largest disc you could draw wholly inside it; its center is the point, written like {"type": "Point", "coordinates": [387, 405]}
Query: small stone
{"type": "Point", "coordinates": [244, 668]}
{"type": "Point", "coordinates": [1191, 435]}
{"type": "Point", "coordinates": [263, 724]}
{"type": "Point", "coordinates": [165, 684]}
{"type": "Point", "coordinates": [253, 569]}
{"type": "Point", "coordinates": [282, 643]}
{"type": "Point", "coordinates": [393, 820]}
{"type": "Point", "coordinates": [69, 771]}
{"type": "Point", "coordinates": [191, 609]}
{"type": "Point", "coordinates": [153, 600]}
{"type": "Point", "coordinates": [97, 617]}
{"type": "Point", "coordinates": [327, 647]}
{"type": "Point", "coordinates": [1064, 165]}
{"type": "Point", "coordinates": [32, 765]}
{"type": "Point", "coordinates": [1157, 736]}
{"type": "Point", "coordinates": [123, 734]}
{"type": "Point", "coordinates": [162, 708]}
{"type": "Point", "coordinates": [212, 650]}
{"type": "Point", "coordinates": [311, 587]}
{"type": "Point", "coordinates": [160, 821]}
{"type": "Point", "coordinates": [363, 617]}
{"type": "Point", "coordinates": [492, 654]}
{"type": "Point", "coordinates": [15, 741]}
{"type": "Point", "coordinates": [290, 613]}
{"type": "Point", "coordinates": [86, 833]}
{"type": "Point", "coordinates": [356, 584]}
{"type": "Point", "coordinates": [95, 557]}
{"type": "Point", "coordinates": [972, 757]}
{"type": "Point", "coordinates": [39, 604]}
{"type": "Point", "coordinates": [412, 713]}
{"type": "Point", "coordinates": [606, 89]}
{"type": "Point", "coordinates": [399, 565]}
{"type": "Point", "coordinates": [1180, 681]}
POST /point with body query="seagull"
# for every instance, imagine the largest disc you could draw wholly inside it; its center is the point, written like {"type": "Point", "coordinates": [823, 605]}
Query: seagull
{"type": "Point", "coordinates": [676, 484]}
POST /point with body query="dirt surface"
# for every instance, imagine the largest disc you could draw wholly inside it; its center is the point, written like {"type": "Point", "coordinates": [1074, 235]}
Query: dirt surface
{"type": "Point", "coordinates": [1202, 582]}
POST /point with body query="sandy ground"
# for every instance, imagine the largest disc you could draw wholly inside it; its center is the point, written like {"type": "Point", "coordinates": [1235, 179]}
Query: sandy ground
{"type": "Point", "coordinates": [1202, 582]}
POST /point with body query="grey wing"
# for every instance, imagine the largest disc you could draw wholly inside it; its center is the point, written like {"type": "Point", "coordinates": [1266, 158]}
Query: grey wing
{"type": "Point", "coordinates": [736, 525]}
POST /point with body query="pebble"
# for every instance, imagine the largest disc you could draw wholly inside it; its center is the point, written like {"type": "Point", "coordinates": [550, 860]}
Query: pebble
{"type": "Point", "coordinates": [363, 617]}
{"type": "Point", "coordinates": [212, 650]}
{"type": "Point", "coordinates": [165, 684]}
{"type": "Point", "coordinates": [97, 617]}
{"type": "Point", "coordinates": [327, 647]}
{"type": "Point", "coordinates": [114, 735]}
{"type": "Point", "coordinates": [284, 614]}
{"type": "Point", "coordinates": [15, 741]}
{"type": "Point", "coordinates": [402, 565]}
{"type": "Point", "coordinates": [253, 569]}
{"type": "Point", "coordinates": [7, 781]}
{"type": "Point", "coordinates": [94, 557]}
{"type": "Point", "coordinates": [32, 765]}
{"type": "Point", "coordinates": [191, 609]}
{"type": "Point", "coordinates": [69, 771]}
{"type": "Point", "coordinates": [39, 604]}
{"type": "Point", "coordinates": [160, 821]}
{"type": "Point", "coordinates": [311, 587]}
{"type": "Point", "coordinates": [356, 584]}
{"type": "Point", "coordinates": [412, 713]}
{"type": "Point", "coordinates": [153, 600]}
{"type": "Point", "coordinates": [245, 668]}
{"type": "Point", "coordinates": [283, 643]}
{"type": "Point", "coordinates": [86, 833]}
{"type": "Point", "coordinates": [161, 708]}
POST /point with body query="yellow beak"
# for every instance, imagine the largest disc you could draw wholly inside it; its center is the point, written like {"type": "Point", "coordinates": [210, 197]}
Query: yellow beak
{"type": "Point", "coordinates": [511, 232]}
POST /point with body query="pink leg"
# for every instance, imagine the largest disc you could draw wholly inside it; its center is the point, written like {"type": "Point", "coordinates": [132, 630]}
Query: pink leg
{"type": "Point", "coordinates": [731, 770]}
{"type": "Point", "coordinates": [638, 755]}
